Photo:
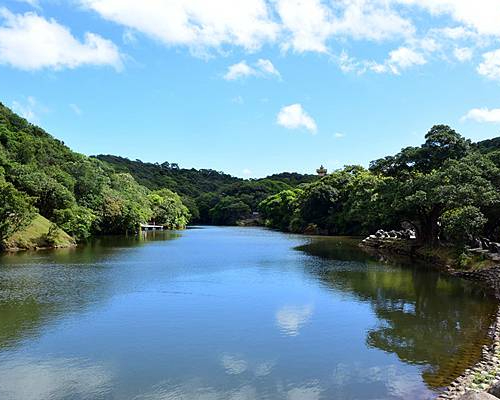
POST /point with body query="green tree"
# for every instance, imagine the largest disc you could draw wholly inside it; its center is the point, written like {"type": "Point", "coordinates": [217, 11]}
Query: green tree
{"type": "Point", "coordinates": [279, 209]}
{"type": "Point", "coordinates": [228, 211]}
{"type": "Point", "coordinates": [423, 198]}
{"type": "Point", "coordinates": [16, 211]}
{"type": "Point", "coordinates": [168, 209]}
{"type": "Point", "coordinates": [462, 224]}
{"type": "Point", "coordinates": [76, 221]}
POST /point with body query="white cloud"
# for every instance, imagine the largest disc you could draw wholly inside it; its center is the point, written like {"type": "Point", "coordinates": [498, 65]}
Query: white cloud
{"type": "Point", "coordinates": [463, 54]}
{"type": "Point", "coordinates": [312, 26]}
{"type": "Point", "coordinates": [307, 24]}
{"type": "Point", "coordinates": [455, 33]}
{"type": "Point", "coordinates": [490, 67]}
{"type": "Point", "coordinates": [481, 15]}
{"type": "Point", "coordinates": [403, 58]}
{"type": "Point", "coordinates": [398, 60]}
{"type": "Point", "coordinates": [267, 67]}
{"type": "Point", "coordinates": [338, 135]}
{"type": "Point", "coordinates": [30, 42]}
{"type": "Point", "coordinates": [372, 20]}
{"type": "Point", "coordinates": [350, 64]}
{"type": "Point", "coordinates": [294, 117]}
{"type": "Point", "coordinates": [483, 115]}
{"type": "Point", "coordinates": [297, 25]}
{"type": "Point", "coordinates": [198, 24]}
{"type": "Point", "coordinates": [241, 70]}
{"type": "Point", "coordinates": [291, 319]}
{"type": "Point", "coordinates": [247, 172]}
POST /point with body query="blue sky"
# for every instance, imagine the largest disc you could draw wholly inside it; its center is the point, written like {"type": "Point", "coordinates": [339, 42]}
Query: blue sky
{"type": "Point", "coordinates": [251, 87]}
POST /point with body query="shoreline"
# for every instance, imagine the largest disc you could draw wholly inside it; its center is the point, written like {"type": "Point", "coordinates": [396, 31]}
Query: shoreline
{"type": "Point", "coordinates": [482, 375]}
{"type": "Point", "coordinates": [13, 250]}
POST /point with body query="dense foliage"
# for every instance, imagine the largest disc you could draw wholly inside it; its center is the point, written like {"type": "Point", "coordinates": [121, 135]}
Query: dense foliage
{"type": "Point", "coordinates": [212, 197]}
{"type": "Point", "coordinates": [446, 189]}
{"type": "Point", "coordinates": [16, 210]}
{"type": "Point", "coordinates": [83, 196]}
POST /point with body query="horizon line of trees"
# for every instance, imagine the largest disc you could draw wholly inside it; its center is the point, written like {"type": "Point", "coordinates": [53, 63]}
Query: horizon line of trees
{"type": "Point", "coordinates": [448, 189]}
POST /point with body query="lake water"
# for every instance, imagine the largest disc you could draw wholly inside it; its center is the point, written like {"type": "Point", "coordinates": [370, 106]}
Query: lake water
{"type": "Point", "coordinates": [231, 313]}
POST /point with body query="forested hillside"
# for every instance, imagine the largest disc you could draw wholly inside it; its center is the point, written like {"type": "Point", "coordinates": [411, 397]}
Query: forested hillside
{"type": "Point", "coordinates": [47, 190]}
{"type": "Point", "coordinates": [211, 196]}
{"type": "Point", "coordinates": [81, 195]}
{"type": "Point", "coordinates": [447, 189]}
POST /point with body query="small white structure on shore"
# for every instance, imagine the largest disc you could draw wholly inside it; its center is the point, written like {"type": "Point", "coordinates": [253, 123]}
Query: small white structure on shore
{"type": "Point", "coordinates": [151, 227]}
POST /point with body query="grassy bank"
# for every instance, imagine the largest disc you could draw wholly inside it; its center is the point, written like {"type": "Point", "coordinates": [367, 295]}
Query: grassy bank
{"type": "Point", "coordinates": [40, 233]}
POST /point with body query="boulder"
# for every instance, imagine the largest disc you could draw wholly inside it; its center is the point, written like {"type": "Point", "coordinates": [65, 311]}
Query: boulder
{"type": "Point", "coordinates": [495, 389]}
{"type": "Point", "coordinates": [471, 395]}
{"type": "Point", "coordinates": [476, 244]}
{"type": "Point", "coordinates": [485, 243]}
{"type": "Point", "coordinates": [494, 247]}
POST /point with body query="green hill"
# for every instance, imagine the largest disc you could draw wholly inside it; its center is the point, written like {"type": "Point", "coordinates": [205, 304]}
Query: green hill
{"type": "Point", "coordinates": [82, 195]}
{"type": "Point", "coordinates": [40, 233]}
{"type": "Point", "coordinates": [212, 197]}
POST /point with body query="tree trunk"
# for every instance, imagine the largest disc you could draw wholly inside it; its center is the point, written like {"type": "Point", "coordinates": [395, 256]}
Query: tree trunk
{"type": "Point", "coordinates": [428, 232]}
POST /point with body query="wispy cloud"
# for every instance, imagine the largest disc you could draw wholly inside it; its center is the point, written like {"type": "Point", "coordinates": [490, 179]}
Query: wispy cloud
{"type": "Point", "coordinates": [262, 68]}
{"type": "Point", "coordinates": [29, 108]}
{"type": "Point", "coordinates": [77, 110]}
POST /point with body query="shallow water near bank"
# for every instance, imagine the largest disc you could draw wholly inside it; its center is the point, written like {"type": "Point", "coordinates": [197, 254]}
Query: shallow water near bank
{"type": "Point", "coordinates": [231, 313]}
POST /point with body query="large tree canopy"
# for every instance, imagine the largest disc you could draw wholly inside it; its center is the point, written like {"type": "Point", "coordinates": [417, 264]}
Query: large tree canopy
{"type": "Point", "coordinates": [447, 188]}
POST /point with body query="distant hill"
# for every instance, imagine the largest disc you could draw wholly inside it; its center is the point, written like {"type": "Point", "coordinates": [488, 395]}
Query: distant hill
{"type": "Point", "coordinates": [488, 145]}
{"type": "Point", "coordinates": [212, 196]}
{"type": "Point", "coordinates": [190, 182]}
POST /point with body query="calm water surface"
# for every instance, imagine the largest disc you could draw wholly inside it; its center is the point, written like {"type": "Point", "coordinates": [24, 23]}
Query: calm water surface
{"type": "Point", "coordinates": [231, 313]}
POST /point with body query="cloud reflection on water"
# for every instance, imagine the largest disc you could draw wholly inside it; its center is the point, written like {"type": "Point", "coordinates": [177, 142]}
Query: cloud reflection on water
{"type": "Point", "coordinates": [291, 319]}
{"type": "Point", "coordinates": [53, 379]}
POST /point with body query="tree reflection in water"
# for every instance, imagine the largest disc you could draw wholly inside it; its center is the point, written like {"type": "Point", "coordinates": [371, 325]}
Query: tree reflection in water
{"type": "Point", "coordinates": [424, 317]}
{"type": "Point", "coordinates": [70, 280]}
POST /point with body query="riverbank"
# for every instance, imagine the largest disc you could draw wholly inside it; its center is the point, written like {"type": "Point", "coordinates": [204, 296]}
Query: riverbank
{"type": "Point", "coordinates": [483, 375]}
{"type": "Point", "coordinates": [38, 235]}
